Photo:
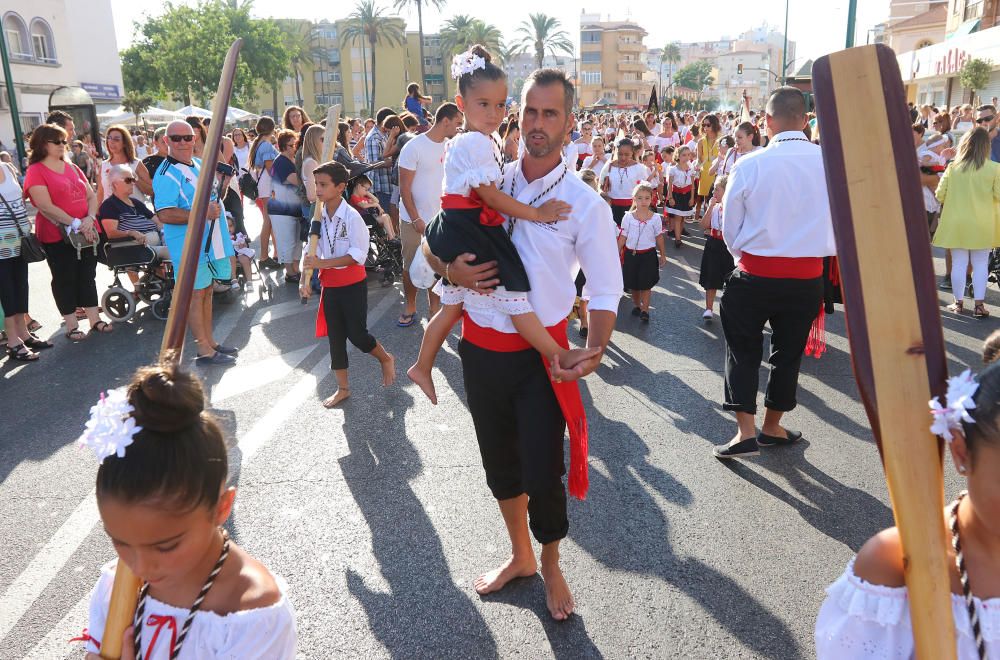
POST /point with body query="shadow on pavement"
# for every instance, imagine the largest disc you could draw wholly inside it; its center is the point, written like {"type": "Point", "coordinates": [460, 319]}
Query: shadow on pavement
{"type": "Point", "coordinates": [424, 606]}
{"type": "Point", "coordinates": [848, 515]}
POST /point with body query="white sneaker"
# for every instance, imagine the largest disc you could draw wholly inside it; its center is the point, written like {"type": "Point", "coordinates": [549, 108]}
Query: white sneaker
{"type": "Point", "coordinates": [708, 315]}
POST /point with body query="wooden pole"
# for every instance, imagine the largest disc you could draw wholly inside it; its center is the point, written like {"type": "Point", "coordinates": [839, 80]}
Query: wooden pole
{"type": "Point", "coordinates": [125, 592]}
{"type": "Point", "coordinates": [891, 303]}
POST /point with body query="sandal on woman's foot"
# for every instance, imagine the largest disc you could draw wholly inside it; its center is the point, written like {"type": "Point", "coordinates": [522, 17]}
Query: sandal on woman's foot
{"type": "Point", "coordinates": [75, 335]}
{"type": "Point", "coordinates": [36, 343]}
{"type": "Point", "coordinates": [955, 308]}
{"type": "Point", "coordinates": [21, 353]}
{"type": "Point", "coordinates": [101, 326]}
{"type": "Point", "coordinates": [34, 326]}
{"type": "Point", "coordinates": [980, 311]}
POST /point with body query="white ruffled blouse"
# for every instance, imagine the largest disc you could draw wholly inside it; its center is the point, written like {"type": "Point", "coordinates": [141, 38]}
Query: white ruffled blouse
{"type": "Point", "coordinates": [267, 633]}
{"type": "Point", "coordinates": [868, 621]}
{"type": "Point", "coordinates": [471, 160]}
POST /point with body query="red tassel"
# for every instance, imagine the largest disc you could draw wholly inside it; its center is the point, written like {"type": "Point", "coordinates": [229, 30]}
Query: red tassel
{"type": "Point", "coordinates": [834, 271]}
{"type": "Point", "coordinates": [816, 345]}
{"type": "Point", "coordinates": [579, 480]}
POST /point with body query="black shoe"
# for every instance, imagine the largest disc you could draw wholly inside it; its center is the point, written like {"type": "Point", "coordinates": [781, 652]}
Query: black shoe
{"type": "Point", "coordinates": [945, 283]}
{"type": "Point", "coordinates": [765, 440]}
{"type": "Point", "coordinates": [678, 244]}
{"type": "Point", "coordinates": [293, 279]}
{"type": "Point", "coordinates": [584, 332]}
{"type": "Point", "coordinates": [738, 449]}
{"type": "Point", "coordinates": [226, 350]}
{"type": "Point", "coordinates": [636, 311]}
{"type": "Point", "coordinates": [644, 317]}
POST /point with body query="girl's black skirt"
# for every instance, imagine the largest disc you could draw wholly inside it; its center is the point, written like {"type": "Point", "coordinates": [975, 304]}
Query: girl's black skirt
{"type": "Point", "coordinates": [456, 231]}
{"type": "Point", "coordinates": [641, 271]}
{"type": "Point", "coordinates": [716, 264]}
{"type": "Point", "coordinates": [618, 212]}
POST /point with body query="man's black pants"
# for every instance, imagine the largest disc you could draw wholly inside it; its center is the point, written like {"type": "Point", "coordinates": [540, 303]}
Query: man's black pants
{"type": "Point", "coordinates": [790, 306]}
{"type": "Point", "coordinates": [520, 430]}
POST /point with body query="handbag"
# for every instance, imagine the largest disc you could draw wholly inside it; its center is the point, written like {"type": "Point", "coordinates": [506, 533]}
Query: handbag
{"type": "Point", "coordinates": [31, 248]}
{"type": "Point", "coordinates": [248, 185]}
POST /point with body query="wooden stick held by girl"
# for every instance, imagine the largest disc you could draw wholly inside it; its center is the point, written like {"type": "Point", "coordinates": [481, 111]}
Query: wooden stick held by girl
{"type": "Point", "coordinates": [470, 221]}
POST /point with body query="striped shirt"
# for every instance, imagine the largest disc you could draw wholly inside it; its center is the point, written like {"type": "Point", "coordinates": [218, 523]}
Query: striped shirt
{"type": "Point", "coordinates": [130, 218]}
{"type": "Point", "coordinates": [10, 239]}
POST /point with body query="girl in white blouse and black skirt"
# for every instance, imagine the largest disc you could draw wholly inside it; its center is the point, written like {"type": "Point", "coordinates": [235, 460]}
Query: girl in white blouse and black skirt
{"type": "Point", "coordinates": [641, 235]}
{"type": "Point", "coordinates": [620, 177]}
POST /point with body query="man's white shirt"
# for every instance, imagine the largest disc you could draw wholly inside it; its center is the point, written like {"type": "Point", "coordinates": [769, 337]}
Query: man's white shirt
{"type": "Point", "coordinates": [553, 252]}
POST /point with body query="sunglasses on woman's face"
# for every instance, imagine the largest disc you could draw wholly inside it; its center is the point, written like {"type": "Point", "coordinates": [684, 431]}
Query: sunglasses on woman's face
{"type": "Point", "coordinates": [181, 138]}
{"type": "Point", "coordinates": [128, 180]}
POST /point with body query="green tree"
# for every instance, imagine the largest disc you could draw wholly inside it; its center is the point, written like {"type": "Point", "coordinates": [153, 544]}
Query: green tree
{"type": "Point", "coordinates": [371, 27]}
{"type": "Point", "coordinates": [419, 4]}
{"type": "Point", "coordinates": [506, 53]}
{"type": "Point", "coordinates": [136, 103]}
{"type": "Point", "coordinates": [485, 34]}
{"type": "Point", "coordinates": [671, 55]}
{"type": "Point", "coordinates": [975, 74]}
{"type": "Point", "coordinates": [455, 34]}
{"type": "Point", "coordinates": [541, 34]}
{"type": "Point", "coordinates": [180, 53]}
{"type": "Point", "coordinates": [695, 75]}
{"type": "Point", "coordinates": [299, 38]}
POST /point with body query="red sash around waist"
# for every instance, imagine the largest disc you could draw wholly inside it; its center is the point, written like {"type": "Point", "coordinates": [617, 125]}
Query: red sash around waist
{"type": "Point", "coordinates": [715, 233]}
{"type": "Point", "coordinates": [336, 277]}
{"type": "Point", "coordinates": [567, 393]}
{"type": "Point", "coordinates": [487, 216]}
{"type": "Point", "coordinates": [791, 268]}
{"type": "Point", "coordinates": [682, 190]}
{"type": "Point", "coordinates": [639, 251]}
{"type": "Point", "coordinates": [621, 202]}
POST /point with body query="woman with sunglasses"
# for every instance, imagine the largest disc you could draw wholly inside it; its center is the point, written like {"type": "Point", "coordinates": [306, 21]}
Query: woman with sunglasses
{"type": "Point", "coordinates": [66, 203]}
{"type": "Point", "coordinates": [124, 217]}
{"type": "Point", "coordinates": [708, 151]}
{"type": "Point", "coordinates": [121, 151]}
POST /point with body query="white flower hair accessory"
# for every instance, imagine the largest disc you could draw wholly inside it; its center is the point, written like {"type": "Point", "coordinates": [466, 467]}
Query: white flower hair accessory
{"type": "Point", "coordinates": [950, 416]}
{"type": "Point", "coordinates": [466, 62]}
{"type": "Point", "coordinates": [111, 425]}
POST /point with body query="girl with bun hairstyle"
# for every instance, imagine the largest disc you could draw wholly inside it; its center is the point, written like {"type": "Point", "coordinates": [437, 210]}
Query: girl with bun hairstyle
{"type": "Point", "coordinates": [470, 220]}
{"type": "Point", "coordinates": [163, 498]}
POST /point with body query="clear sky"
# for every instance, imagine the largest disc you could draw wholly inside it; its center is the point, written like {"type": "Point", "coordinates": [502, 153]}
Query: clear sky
{"type": "Point", "coordinates": [817, 26]}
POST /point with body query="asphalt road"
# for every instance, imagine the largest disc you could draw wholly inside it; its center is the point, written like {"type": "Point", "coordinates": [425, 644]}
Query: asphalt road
{"type": "Point", "coordinates": [379, 518]}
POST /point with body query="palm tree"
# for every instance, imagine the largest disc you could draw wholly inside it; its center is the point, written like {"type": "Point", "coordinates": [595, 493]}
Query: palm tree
{"type": "Point", "coordinates": [671, 55]}
{"type": "Point", "coordinates": [542, 34]}
{"type": "Point", "coordinates": [506, 53]}
{"type": "Point", "coordinates": [437, 4]}
{"type": "Point", "coordinates": [455, 34]}
{"type": "Point", "coordinates": [486, 34]}
{"type": "Point", "coordinates": [371, 27]}
{"type": "Point", "coordinates": [300, 39]}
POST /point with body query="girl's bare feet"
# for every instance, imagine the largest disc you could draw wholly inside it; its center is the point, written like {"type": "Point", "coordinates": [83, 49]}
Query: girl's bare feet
{"type": "Point", "coordinates": [498, 578]}
{"type": "Point", "coordinates": [424, 380]}
{"type": "Point", "coordinates": [338, 397]}
{"type": "Point", "coordinates": [388, 370]}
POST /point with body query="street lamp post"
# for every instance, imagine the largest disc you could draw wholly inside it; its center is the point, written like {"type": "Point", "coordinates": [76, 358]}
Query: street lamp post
{"type": "Point", "coordinates": [852, 11]}
{"type": "Point", "coordinates": [12, 101]}
{"type": "Point", "coordinates": [784, 49]}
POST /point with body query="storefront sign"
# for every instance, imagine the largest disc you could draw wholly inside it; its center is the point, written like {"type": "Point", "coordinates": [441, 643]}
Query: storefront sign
{"type": "Point", "coordinates": [946, 58]}
{"type": "Point", "coordinates": [101, 90]}
{"type": "Point", "coordinates": [951, 62]}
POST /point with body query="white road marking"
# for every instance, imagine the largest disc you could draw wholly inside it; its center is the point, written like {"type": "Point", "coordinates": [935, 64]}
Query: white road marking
{"type": "Point", "coordinates": [245, 377]}
{"type": "Point", "coordinates": [29, 585]}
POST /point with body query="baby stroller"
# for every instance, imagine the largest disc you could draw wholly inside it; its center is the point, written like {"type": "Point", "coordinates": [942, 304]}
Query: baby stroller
{"type": "Point", "coordinates": [154, 287]}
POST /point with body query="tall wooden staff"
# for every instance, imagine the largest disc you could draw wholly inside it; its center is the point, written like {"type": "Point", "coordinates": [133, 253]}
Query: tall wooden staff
{"type": "Point", "coordinates": [329, 143]}
{"type": "Point", "coordinates": [893, 321]}
{"type": "Point", "coordinates": [125, 592]}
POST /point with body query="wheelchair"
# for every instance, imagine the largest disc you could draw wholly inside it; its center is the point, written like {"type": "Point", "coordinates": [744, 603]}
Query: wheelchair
{"type": "Point", "coordinates": [154, 287]}
{"type": "Point", "coordinates": [385, 256]}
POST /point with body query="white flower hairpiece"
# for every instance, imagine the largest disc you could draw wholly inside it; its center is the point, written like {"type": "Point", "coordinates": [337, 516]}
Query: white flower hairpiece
{"type": "Point", "coordinates": [466, 62]}
{"type": "Point", "coordinates": [950, 416]}
{"type": "Point", "coordinates": [111, 425]}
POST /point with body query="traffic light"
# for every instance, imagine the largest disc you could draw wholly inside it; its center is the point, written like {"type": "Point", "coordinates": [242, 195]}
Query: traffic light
{"type": "Point", "coordinates": [739, 69]}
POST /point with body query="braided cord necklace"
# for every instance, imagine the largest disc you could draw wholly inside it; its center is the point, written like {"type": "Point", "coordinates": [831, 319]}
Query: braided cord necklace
{"type": "Point", "coordinates": [963, 573]}
{"type": "Point", "coordinates": [796, 139]}
{"type": "Point", "coordinates": [139, 611]}
{"type": "Point", "coordinates": [513, 180]}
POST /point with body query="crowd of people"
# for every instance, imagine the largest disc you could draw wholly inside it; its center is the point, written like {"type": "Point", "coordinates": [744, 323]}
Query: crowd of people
{"type": "Point", "coordinates": [528, 215]}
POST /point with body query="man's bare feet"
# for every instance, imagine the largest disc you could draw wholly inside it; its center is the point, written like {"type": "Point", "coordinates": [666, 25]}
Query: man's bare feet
{"type": "Point", "coordinates": [388, 370]}
{"type": "Point", "coordinates": [496, 579]}
{"type": "Point", "coordinates": [424, 380]}
{"type": "Point", "coordinates": [338, 397]}
{"type": "Point", "coordinates": [557, 593]}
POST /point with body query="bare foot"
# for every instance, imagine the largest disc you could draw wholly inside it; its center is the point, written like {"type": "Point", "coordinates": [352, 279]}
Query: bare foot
{"type": "Point", "coordinates": [496, 579]}
{"type": "Point", "coordinates": [424, 380]}
{"type": "Point", "coordinates": [557, 594]}
{"type": "Point", "coordinates": [338, 397]}
{"type": "Point", "coordinates": [389, 370]}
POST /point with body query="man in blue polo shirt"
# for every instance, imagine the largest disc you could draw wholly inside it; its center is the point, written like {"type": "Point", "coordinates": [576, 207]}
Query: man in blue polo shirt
{"type": "Point", "coordinates": [173, 190]}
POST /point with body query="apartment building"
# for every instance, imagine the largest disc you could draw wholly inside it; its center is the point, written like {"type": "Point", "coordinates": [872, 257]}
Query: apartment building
{"type": "Point", "coordinates": [612, 63]}
{"type": "Point", "coordinates": [47, 51]}
{"type": "Point", "coordinates": [968, 16]}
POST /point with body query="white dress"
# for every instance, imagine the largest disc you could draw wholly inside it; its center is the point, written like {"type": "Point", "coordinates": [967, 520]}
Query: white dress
{"type": "Point", "coordinates": [267, 633]}
{"type": "Point", "coordinates": [471, 160]}
{"type": "Point", "coordinates": [865, 621]}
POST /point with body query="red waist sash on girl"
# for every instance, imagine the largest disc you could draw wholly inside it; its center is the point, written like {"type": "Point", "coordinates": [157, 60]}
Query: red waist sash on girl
{"type": "Point", "coordinates": [487, 216]}
{"type": "Point", "coordinates": [621, 202]}
{"type": "Point", "coordinates": [792, 268]}
{"type": "Point", "coordinates": [567, 393]}
{"type": "Point", "coordinates": [336, 277]}
{"type": "Point", "coordinates": [682, 189]}
{"type": "Point", "coordinates": [715, 233]}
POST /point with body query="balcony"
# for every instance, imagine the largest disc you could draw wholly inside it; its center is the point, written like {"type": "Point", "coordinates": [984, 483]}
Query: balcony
{"type": "Point", "coordinates": [630, 46]}
{"type": "Point", "coordinates": [631, 65]}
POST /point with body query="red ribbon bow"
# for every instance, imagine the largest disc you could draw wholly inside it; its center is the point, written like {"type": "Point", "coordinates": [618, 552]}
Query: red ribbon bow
{"type": "Point", "coordinates": [159, 622]}
{"type": "Point", "coordinates": [487, 216]}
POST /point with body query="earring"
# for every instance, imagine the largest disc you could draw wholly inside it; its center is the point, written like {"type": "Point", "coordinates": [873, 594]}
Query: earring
{"type": "Point", "coordinates": [961, 469]}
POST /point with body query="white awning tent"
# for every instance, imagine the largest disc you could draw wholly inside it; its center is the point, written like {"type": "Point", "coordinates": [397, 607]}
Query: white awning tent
{"type": "Point", "coordinates": [152, 116]}
{"type": "Point", "coordinates": [194, 111]}
{"type": "Point", "coordinates": [233, 115]}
